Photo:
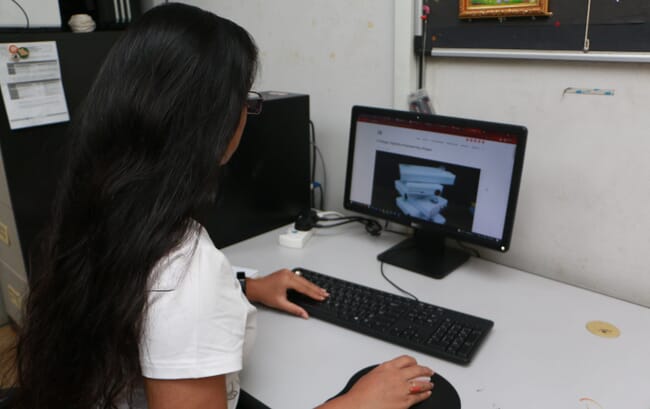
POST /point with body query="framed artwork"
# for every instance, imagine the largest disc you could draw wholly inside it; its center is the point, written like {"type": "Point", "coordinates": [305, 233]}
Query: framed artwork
{"type": "Point", "coordinates": [502, 8]}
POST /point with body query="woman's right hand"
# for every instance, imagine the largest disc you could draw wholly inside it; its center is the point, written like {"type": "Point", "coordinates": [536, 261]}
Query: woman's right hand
{"type": "Point", "coordinates": [397, 384]}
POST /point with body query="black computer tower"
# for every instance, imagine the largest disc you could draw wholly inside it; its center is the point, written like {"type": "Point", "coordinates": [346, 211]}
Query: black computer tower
{"type": "Point", "coordinates": [267, 181]}
{"type": "Point", "coordinates": [264, 186]}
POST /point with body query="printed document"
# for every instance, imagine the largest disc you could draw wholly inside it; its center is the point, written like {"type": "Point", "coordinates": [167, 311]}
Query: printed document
{"type": "Point", "coordinates": [30, 80]}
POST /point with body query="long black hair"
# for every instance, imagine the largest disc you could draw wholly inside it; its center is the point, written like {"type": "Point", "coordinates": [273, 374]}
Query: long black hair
{"type": "Point", "coordinates": [144, 158]}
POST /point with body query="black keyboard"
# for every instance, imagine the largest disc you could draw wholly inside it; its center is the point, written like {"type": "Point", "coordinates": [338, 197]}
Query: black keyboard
{"type": "Point", "coordinates": [416, 325]}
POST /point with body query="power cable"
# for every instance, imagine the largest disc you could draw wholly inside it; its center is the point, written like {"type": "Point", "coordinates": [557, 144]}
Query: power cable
{"type": "Point", "coordinates": [323, 185]}
{"type": "Point", "coordinates": [24, 12]}
{"type": "Point", "coordinates": [381, 269]}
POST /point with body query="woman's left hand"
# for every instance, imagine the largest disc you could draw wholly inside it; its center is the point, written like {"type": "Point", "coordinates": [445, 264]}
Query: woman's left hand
{"type": "Point", "coordinates": [271, 290]}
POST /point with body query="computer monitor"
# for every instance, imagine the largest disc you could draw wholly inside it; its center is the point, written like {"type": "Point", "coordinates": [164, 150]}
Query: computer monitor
{"type": "Point", "coordinates": [445, 177]}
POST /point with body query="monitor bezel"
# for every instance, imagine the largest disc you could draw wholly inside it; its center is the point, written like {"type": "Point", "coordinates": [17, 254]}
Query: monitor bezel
{"type": "Point", "coordinates": [518, 131]}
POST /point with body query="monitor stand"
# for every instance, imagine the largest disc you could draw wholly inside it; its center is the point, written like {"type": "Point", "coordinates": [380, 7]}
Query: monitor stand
{"type": "Point", "coordinates": [425, 253]}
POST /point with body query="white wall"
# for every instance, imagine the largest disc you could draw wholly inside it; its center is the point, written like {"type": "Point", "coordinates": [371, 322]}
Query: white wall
{"type": "Point", "coordinates": [41, 13]}
{"type": "Point", "coordinates": [339, 52]}
{"type": "Point", "coordinates": [583, 215]}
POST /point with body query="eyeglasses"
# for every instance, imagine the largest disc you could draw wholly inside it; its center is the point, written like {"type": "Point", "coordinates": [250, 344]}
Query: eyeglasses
{"type": "Point", "coordinates": [254, 102]}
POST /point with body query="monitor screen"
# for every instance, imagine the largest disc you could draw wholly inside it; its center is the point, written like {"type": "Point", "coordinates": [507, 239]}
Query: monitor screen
{"type": "Point", "coordinates": [445, 177]}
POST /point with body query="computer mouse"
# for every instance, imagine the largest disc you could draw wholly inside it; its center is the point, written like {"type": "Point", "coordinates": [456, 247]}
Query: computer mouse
{"type": "Point", "coordinates": [443, 395]}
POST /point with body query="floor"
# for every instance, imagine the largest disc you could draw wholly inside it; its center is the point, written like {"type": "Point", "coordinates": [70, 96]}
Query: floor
{"type": "Point", "coordinates": [7, 338]}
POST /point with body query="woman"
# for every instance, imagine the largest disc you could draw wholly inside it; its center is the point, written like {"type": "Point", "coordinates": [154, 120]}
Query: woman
{"type": "Point", "coordinates": [130, 298]}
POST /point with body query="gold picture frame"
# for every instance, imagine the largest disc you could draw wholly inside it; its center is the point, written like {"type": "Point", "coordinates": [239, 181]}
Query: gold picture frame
{"type": "Point", "coordinates": [502, 8]}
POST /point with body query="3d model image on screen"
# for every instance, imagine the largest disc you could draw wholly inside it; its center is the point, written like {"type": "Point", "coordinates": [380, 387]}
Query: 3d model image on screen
{"type": "Point", "coordinates": [433, 191]}
{"type": "Point", "coordinates": [421, 189]}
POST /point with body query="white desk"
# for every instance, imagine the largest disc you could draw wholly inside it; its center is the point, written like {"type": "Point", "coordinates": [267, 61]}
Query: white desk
{"type": "Point", "coordinates": [538, 355]}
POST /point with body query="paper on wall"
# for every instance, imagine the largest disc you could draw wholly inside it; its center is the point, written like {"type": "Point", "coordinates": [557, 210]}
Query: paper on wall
{"type": "Point", "coordinates": [30, 80]}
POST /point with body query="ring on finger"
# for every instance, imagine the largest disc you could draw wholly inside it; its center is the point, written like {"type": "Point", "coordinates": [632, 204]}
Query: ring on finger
{"type": "Point", "coordinates": [297, 272]}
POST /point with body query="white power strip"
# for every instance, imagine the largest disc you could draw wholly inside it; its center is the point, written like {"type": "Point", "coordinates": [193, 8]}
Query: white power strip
{"type": "Point", "coordinates": [295, 239]}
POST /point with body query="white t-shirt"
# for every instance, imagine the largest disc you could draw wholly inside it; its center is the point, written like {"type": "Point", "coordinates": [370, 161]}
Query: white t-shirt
{"type": "Point", "coordinates": [199, 323]}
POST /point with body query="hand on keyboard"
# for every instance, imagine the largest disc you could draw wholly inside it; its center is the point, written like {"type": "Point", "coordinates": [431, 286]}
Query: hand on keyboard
{"type": "Point", "coordinates": [271, 290]}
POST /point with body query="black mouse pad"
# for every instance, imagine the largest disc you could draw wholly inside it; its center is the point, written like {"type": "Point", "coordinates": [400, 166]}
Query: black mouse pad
{"type": "Point", "coordinates": [443, 395]}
